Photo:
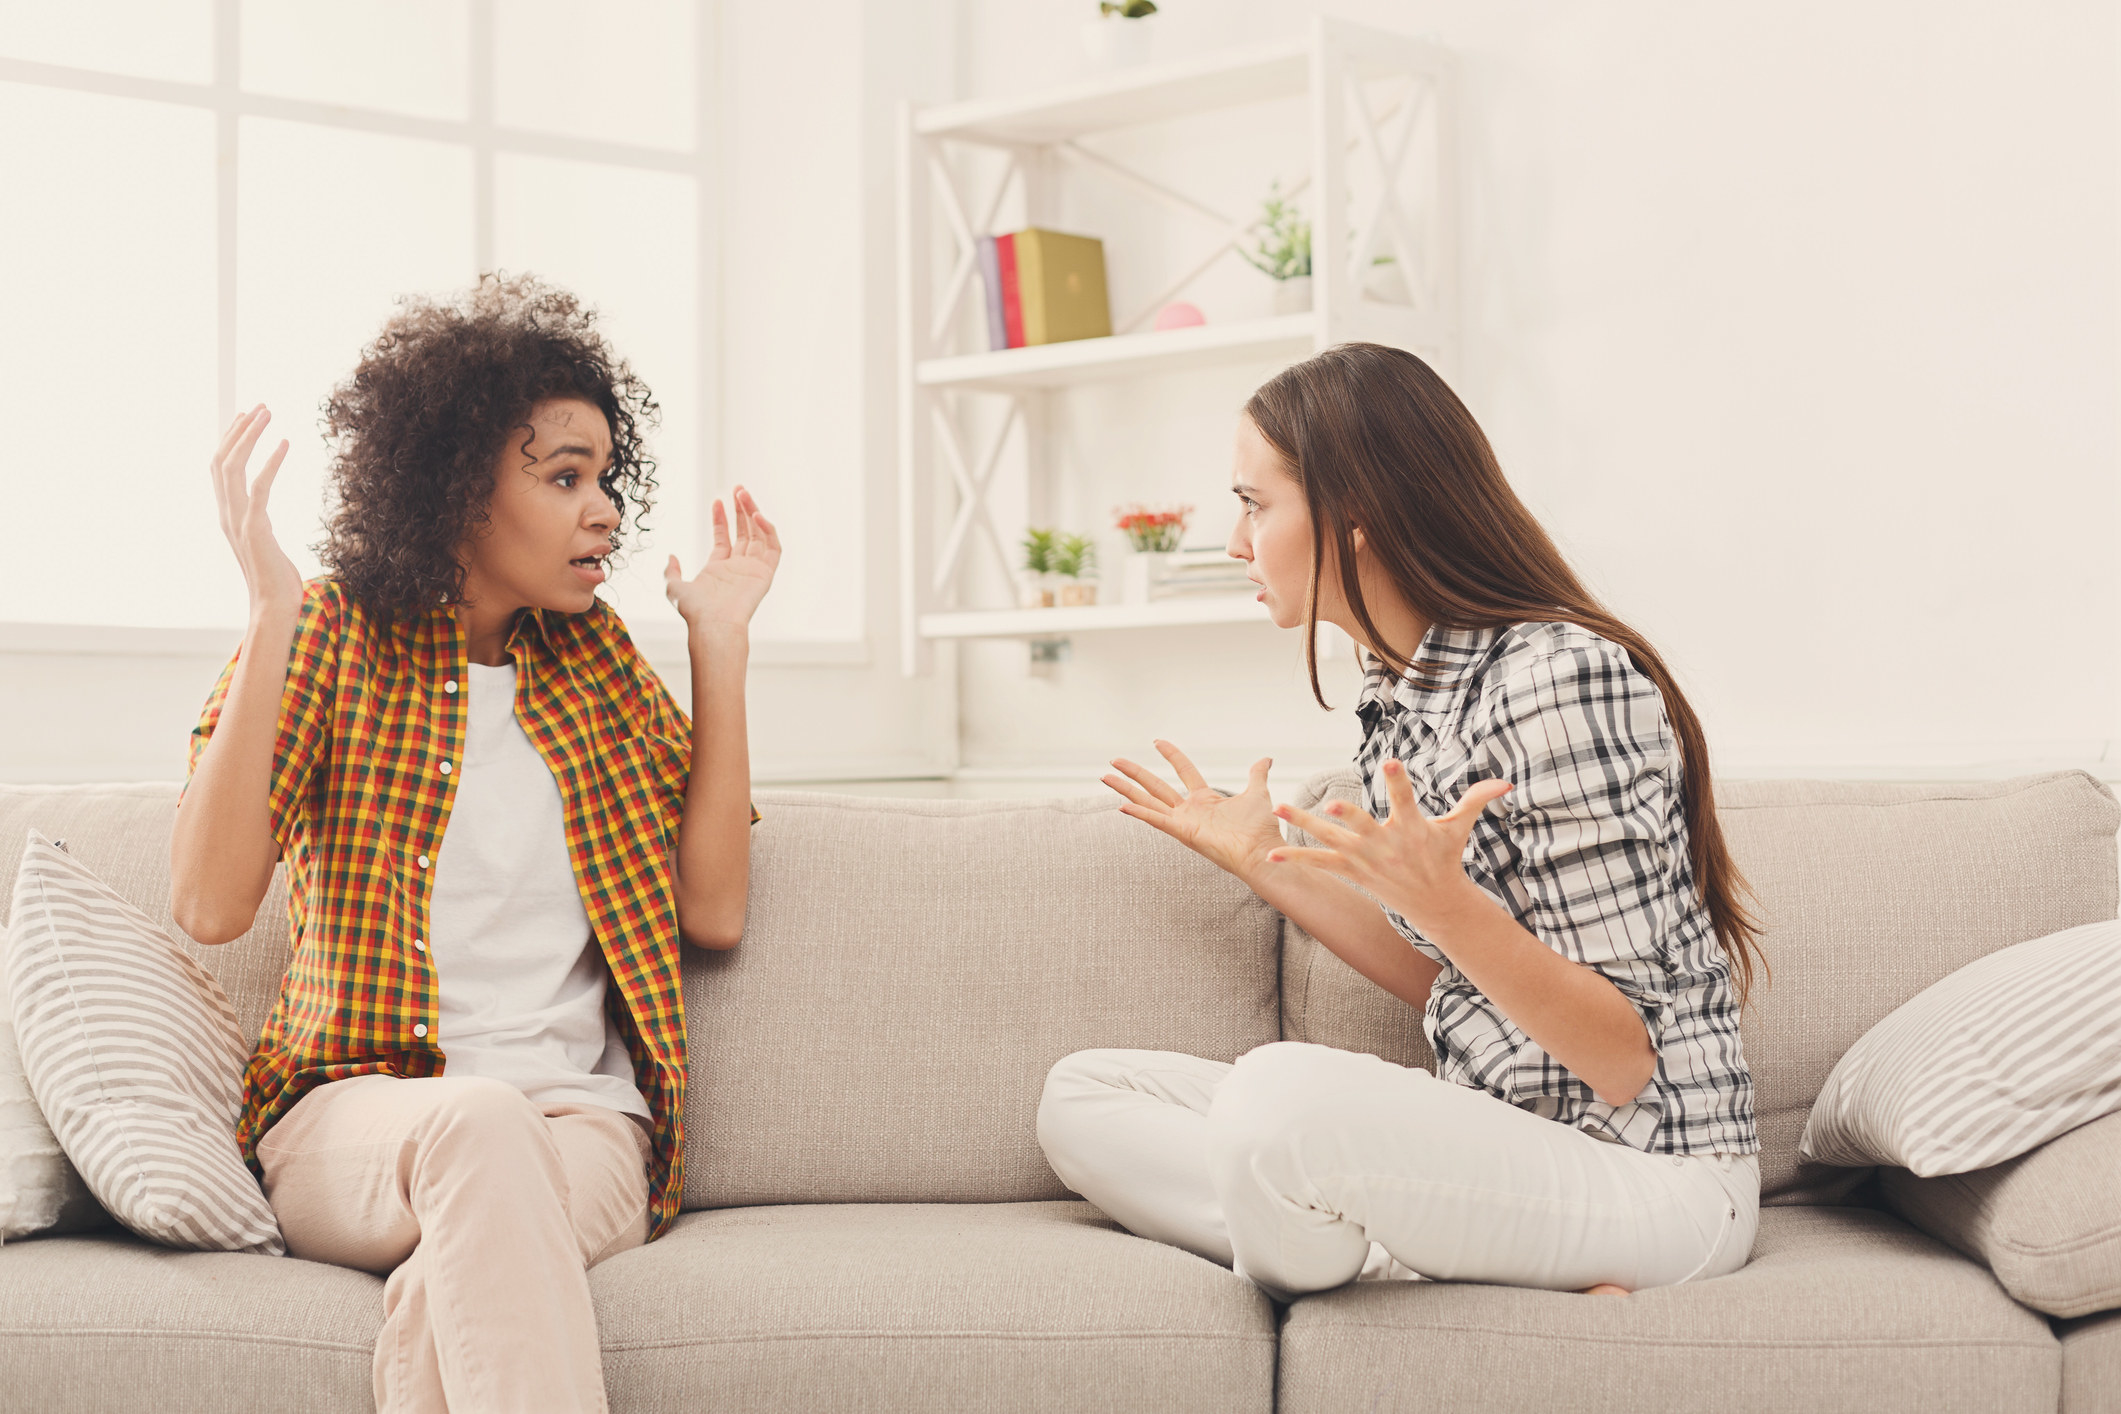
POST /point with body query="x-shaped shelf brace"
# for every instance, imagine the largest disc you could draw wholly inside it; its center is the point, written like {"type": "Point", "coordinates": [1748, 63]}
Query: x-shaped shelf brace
{"type": "Point", "coordinates": [972, 489]}
{"type": "Point", "coordinates": [1232, 235]}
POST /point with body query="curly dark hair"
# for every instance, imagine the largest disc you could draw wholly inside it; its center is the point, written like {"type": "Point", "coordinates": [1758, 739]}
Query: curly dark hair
{"type": "Point", "coordinates": [416, 428]}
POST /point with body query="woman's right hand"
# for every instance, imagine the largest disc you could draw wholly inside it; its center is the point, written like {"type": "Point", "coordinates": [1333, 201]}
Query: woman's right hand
{"type": "Point", "coordinates": [274, 582]}
{"type": "Point", "coordinates": [1232, 831]}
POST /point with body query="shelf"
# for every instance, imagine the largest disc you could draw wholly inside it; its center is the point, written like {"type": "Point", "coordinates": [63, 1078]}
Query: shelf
{"type": "Point", "coordinates": [1087, 360]}
{"type": "Point", "coordinates": [1046, 623]}
{"type": "Point", "coordinates": [1149, 94]}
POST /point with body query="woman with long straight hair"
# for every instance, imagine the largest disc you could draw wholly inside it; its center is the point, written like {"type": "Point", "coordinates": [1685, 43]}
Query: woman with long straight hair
{"type": "Point", "coordinates": [1537, 867]}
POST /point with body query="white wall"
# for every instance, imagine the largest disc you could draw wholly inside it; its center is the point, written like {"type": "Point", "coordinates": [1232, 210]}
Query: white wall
{"type": "Point", "coordinates": [1797, 325]}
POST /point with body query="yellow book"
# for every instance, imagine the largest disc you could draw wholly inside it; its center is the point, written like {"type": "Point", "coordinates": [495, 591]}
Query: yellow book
{"type": "Point", "coordinates": [1060, 281]}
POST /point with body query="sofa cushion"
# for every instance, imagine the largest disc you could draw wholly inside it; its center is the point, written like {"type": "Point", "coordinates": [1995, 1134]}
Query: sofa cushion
{"type": "Point", "coordinates": [1840, 1308]}
{"type": "Point", "coordinates": [1869, 893]}
{"type": "Point", "coordinates": [95, 1323]}
{"type": "Point", "coordinates": [2047, 1223]}
{"type": "Point", "coordinates": [1012, 1306]}
{"type": "Point", "coordinates": [2091, 1365]}
{"type": "Point", "coordinates": [910, 971]}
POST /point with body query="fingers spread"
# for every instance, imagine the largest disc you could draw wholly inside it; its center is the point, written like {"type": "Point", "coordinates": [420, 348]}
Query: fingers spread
{"type": "Point", "coordinates": [1149, 781]}
{"type": "Point", "coordinates": [1256, 779]}
{"type": "Point", "coordinates": [1187, 772]}
{"type": "Point", "coordinates": [1324, 831]}
{"type": "Point", "coordinates": [1325, 859]}
{"type": "Point", "coordinates": [721, 533]}
{"type": "Point", "coordinates": [1478, 797]}
{"type": "Point", "coordinates": [1133, 793]}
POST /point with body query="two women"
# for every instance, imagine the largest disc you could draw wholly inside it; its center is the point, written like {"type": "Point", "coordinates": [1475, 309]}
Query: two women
{"type": "Point", "coordinates": [498, 827]}
{"type": "Point", "coordinates": [1536, 867]}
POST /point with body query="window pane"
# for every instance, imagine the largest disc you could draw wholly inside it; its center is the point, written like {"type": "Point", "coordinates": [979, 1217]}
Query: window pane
{"type": "Point", "coordinates": [406, 56]}
{"type": "Point", "coordinates": [155, 39]}
{"type": "Point", "coordinates": [334, 226]}
{"type": "Point", "coordinates": [625, 241]}
{"type": "Point", "coordinates": [109, 362]}
{"type": "Point", "coordinates": [621, 70]}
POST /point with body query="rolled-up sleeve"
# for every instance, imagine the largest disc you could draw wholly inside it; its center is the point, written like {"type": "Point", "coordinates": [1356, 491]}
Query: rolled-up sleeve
{"type": "Point", "coordinates": [304, 735]}
{"type": "Point", "coordinates": [1595, 818]}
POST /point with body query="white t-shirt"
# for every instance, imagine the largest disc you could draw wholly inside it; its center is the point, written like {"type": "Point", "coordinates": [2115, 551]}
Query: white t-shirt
{"type": "Point", "coordinates": [522, 979]}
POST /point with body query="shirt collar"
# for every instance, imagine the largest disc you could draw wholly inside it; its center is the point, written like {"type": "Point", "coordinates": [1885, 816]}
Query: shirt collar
{"type": "Point", "coordinates": [1444, 669]}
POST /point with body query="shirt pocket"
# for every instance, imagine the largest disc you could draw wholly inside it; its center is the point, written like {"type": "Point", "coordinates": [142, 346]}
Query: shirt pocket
{"type": "Point", "coordinates": [646, 776]}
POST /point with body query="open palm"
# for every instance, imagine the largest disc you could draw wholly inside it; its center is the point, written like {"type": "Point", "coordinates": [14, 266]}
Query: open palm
{"type": "Point", "coordinates": [1233, 831]}
{"type": "Point", "coordinates": [738, 572]}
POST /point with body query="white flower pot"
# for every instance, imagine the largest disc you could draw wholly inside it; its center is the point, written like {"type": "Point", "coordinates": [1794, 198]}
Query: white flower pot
{"type": "Point", "coordinates": [1142, 574]}
{"type": "Point", "coordinates": [1113, 43]}
{"type": "Point", "coordinates": [1293, 296]}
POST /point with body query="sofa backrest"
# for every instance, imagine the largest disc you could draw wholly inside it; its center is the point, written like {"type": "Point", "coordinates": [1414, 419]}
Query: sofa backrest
{"type": "Point", "coordinates": [910, 971]}
{"type": "Point", "coordinates": [1869, 892]}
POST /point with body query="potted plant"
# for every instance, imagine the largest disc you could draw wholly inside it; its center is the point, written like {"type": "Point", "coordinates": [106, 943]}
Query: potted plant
{"type": "Point", "coordinates": [1039, 547]}
{"type": "Point", "coordinates": [1075, 562]}
{"type": "Point", "coordinates": [1153, 533]}
{"type": "Point", "coordinates": [1120, 35]}
{"type": "Point", "coordinates": [1283, 252]}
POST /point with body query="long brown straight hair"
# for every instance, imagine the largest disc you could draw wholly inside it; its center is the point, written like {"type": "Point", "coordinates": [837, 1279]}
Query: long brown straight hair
{"type": "Point", "coordinates": [1377, 440]}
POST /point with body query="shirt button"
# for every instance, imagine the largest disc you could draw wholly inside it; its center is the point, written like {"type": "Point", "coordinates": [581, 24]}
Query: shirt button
{"type": "Point", "coordinates": [423, 861]}
{"type": "Point", "coordinates": [418, 946]}
{"type": "Point", "coordinates": [450, 686]}
{"type": "Point", "coordinates": [420, 1030]}
{"type": "Point", "coordinates": [445, 768]}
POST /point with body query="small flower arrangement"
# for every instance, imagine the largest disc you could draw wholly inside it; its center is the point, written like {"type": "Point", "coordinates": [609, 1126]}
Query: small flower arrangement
{"type": "Point", "coordinates": [1150, 529]}
{"type": "Point", "coordinates": [1074, 556]}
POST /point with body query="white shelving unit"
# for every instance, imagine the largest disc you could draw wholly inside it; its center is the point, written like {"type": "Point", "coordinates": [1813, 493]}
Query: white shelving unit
{"type": "Point", "coordinates": [1379, 104]}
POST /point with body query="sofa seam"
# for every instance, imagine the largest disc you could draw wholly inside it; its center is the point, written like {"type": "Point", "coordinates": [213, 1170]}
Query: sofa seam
{"type": "Point", "coordinates": [1708, 1343]}
{"type": "Point", "coordinates": [230, 1337]}
{"type": "Point", "coordinates": [768, 1337]}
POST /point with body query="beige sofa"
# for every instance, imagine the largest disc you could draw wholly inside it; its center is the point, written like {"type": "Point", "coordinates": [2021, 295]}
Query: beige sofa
{"type": "Point", "coordinates": [871, 1225]}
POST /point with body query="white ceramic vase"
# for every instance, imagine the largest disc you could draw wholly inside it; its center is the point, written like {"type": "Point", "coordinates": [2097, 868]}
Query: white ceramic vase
{"type": "Point", "coordinates": [1110, 42]}
{"type": "Point", "coordinates": [1293, 296]}
{"type": "Point", "coordinates": [1143, 572]}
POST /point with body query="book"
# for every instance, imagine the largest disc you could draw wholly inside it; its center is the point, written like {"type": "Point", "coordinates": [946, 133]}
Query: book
{"type": "Point", "coordinates": [1006, 277]}
{"type": "Point", "coordinates": [1060, 287]}
{"type": "Point", "coordinates": [990, 279]}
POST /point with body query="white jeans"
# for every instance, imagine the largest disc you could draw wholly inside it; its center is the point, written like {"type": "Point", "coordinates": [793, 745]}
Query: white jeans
{"type": "Point", "coordinates": [1302, 1166]}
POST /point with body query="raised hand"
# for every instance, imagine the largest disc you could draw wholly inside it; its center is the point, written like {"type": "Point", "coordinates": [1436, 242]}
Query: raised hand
{"type": "Point", "coordinates": [1413, 865]}
{"type": "Point", "coordinates": [738, 572]}
{"type": "Point", "coordinates": [1233, 831]}
{"type": "Point", "coordinates": [273, 580]}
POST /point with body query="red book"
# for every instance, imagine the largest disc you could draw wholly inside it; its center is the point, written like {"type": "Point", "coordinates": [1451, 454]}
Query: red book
{"type": "Point", "coordinates": [1012, 307]}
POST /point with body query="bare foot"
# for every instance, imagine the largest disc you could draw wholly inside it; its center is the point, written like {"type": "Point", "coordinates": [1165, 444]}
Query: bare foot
{"type": "Point", "coordinates": [1605, 1288]}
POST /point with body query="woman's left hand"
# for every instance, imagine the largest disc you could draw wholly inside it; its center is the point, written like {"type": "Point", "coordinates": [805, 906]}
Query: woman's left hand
{"type": "Point", "coordinates": [738, 572]}
{"type": "Point", "coordinates": [1413, 865]}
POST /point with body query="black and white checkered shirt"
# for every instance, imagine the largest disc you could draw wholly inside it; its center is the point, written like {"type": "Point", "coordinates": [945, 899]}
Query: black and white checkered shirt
{"type": "Point", "coordinates": [1589, 853]}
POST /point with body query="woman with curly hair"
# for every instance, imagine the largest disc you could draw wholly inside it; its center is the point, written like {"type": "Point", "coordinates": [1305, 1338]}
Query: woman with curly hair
{"type": "Point", "coordinates": [497, 826]}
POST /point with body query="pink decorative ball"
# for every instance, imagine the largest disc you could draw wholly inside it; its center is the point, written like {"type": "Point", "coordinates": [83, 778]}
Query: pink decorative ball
{"type": "Point", "coordinates": [1179, 315]}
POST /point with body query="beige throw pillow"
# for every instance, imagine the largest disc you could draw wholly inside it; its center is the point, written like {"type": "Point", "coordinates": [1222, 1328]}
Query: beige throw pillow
{"type": "Point", "coordinates": [40, 1192]}
{"type": "Point", "coordinates": [1995, 1059]}
{"type": "Point", "coordinates": [133, 1054]}
{"type": "Point", "coordinates": [2047, 1223]}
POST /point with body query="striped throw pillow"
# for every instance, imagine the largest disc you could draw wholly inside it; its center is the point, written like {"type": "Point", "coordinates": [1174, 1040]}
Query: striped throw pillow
{"type": "Point", "coordinates": [1995, 1060]}
{"type": "Point", "coordinates": [135, 1058]}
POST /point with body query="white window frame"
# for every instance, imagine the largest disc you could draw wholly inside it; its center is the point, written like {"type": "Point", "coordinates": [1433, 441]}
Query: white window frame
{"type": "Point", "coordinates": [227, 100]}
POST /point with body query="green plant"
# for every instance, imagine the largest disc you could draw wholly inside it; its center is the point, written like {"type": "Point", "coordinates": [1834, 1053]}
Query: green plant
{"type": "Point", "coordinates": [1074, 556]}
{"type": "Point", "coordinates": [1126, 9]}
{"type": "Point", "coordinates": [1284, 250]}
{"type": "Point", "coordinates": [1039, 548]}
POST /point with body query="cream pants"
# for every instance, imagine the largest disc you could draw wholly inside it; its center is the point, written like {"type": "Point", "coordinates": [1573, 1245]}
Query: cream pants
{"type": "Point", "coordinates": [483, 1212]}
{"type": "Point", "coordinates": [1303, 1167]}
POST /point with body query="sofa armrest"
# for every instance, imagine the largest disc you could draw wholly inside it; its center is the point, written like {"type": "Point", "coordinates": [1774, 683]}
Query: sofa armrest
{"type": "Point", "coordinates": [2047, 1223]}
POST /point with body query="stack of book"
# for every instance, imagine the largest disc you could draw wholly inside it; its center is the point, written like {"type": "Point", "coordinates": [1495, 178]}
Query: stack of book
{"type": "Point", "coordinates": [1043, 287]}
{"type": "Point", "coordinates": [1204, 569]}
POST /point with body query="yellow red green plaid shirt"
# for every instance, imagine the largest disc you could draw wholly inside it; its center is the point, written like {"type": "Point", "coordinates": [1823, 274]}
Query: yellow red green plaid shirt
{"type": "Point", "coordinates": [360, 799]}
